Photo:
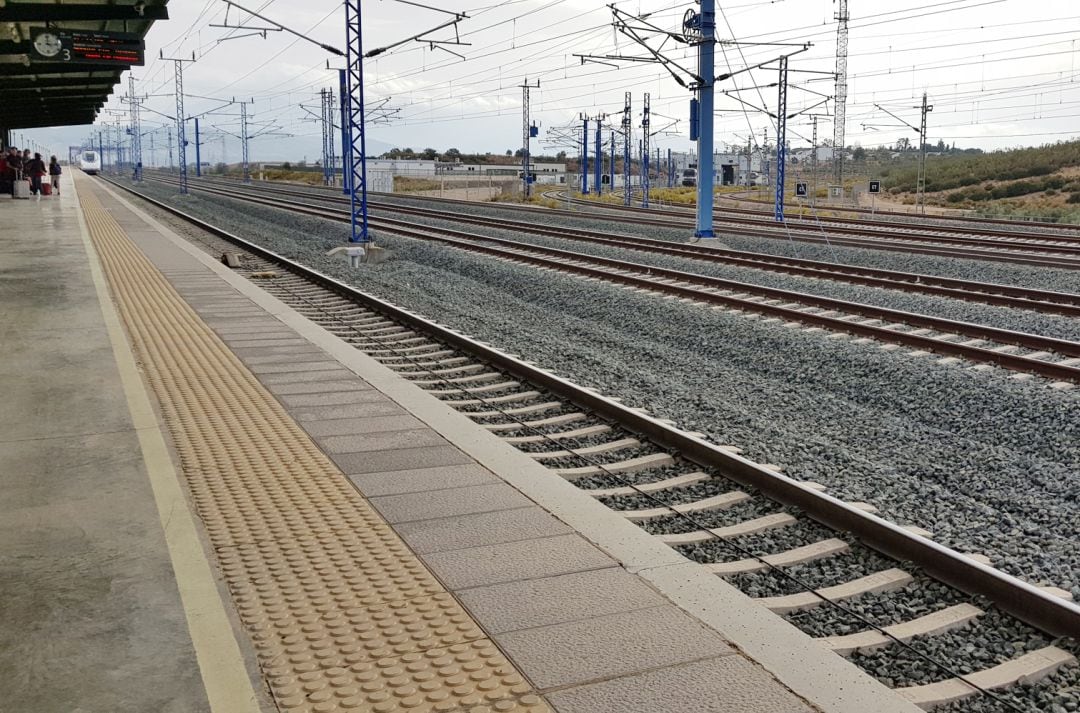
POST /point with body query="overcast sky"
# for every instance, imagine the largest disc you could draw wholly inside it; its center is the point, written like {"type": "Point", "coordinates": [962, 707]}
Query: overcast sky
{"type": "Point", "coordinates": [999, 73]}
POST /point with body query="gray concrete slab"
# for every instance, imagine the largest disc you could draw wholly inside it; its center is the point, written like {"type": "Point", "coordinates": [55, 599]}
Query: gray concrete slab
{"type": "Point", "coordinates": [299, 377]}
{"type": "Point", "coordinates": [347, 426]}
{"type": "Point", "coordinates": [244, 338]}
{"type": "Point", "coordinates": [729, 684]}
{"type": "Point", "coordinates": [381, 441]}
{"type": "Point", "coordinates": [513, 561]}
{"type": "Point", "coordinates": [298, 365]}
{"type": "Point", "coordinates": [400, 459]}
{"type": "Point", "coordinates": [310, 412]}
{"type": "Point", "coordinates": [556, 600]}
{"type": "Point", "coordinates": [449, 503]}
{"type": "Point", "coordinates": [476, 530]}
{"type": "Point", "coordinates": [421, 479]}
{"type": "Point", "coordinates": [276, 358]}
{"type": "Point", "coordinates": [331, 388]}
{"type": "Point", "coordinates": [614, 645]}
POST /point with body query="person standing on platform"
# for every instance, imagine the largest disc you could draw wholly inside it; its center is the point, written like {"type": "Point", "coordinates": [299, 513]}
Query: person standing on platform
{"type": "Point", "coordinates": [36, 170]}
{"type": "Point", "coordinates": [54, 174]}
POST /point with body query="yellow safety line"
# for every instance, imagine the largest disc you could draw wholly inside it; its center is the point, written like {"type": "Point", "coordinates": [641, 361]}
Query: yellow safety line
{"type": "Point", "coordinates": [228, 687]}
{"type": "Point", "coordinates": [343, 616]}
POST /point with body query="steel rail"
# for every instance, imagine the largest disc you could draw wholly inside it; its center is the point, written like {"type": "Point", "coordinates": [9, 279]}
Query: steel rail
{"type": "Point", "coordinates": [1026, 602]}
{"type": "Point", "coordinates": [811, 236]}
{"type": "Point", "coordinates": [988, 293]}
{"type": "Point", "coordinates": [1017, 225]}
{"type": "Point", "coordinates": [1066, 247]}
{"type": "Point", "coordinates": [676, 223]}
{"type": "Point", "coordinates": [518, 251]}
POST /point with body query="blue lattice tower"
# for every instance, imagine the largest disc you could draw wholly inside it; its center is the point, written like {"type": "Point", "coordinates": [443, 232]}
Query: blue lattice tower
{"type": "Point", "coordinates": [354, 55]}
{"type": "Point", "coordinates": [781, 139]}
{"type": "Point", "coordinates": [585, 156]}
{"type": "Point", "coordinates": [343, 99]}
{"type": "Point", "coordinates": [598, 163]}
{"type": "Point", "coordinates": [626, 126]}
{"type": "Point", "coordinates": [645, 154]}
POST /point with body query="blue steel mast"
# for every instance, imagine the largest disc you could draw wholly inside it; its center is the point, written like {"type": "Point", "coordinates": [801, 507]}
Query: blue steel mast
{"type": "Point", "coordinates": [585, 156]}
{"type": "Point", "coordinates": [645, 154]}
{"type": "Point", "coordinates": [703, 25]}
{"type": "Point", "coordinates": [598, 163]}
{"type": "Point", "coordinates": [781, 139]}
{"type": "Point", "coordinates": [357, 149]}
{"type": "Point", "coordinates": [343, 98]}
{"type": "Point", "coordinates": [626, 125]}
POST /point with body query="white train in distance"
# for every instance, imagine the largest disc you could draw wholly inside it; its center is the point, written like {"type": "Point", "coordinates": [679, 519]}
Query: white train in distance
{"type": "Point", "coordinates": [90, 162]}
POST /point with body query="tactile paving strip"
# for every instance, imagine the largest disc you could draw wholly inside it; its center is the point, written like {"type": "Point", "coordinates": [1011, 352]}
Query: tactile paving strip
{"type": "Point", "coordinates": [342, 615]}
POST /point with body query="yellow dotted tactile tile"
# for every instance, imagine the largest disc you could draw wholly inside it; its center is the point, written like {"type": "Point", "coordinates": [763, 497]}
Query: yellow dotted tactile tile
{"type": "Point", "coordinates": [342, 615]}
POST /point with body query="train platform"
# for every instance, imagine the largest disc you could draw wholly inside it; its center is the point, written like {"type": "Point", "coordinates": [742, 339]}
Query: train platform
{"type": "Point", "coordinates": [211, 503]}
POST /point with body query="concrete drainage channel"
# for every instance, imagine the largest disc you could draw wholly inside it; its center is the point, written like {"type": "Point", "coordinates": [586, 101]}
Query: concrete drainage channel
{"type": "Point", "coordinates": [743, 521]}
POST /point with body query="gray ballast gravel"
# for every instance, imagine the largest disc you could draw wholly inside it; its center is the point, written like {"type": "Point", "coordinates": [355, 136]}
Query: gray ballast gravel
{"type": "Point", "coordinates": [987, 463]}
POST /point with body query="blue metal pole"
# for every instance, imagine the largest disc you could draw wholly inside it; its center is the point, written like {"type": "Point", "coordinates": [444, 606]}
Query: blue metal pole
{"type": "Point", "coordinates": [198, 151]}
{"type": "Point", "coordinates": [598, 164]}
{"type": "Point", "coordinates": [670, 170]}
{"type": "Point", "coordinates": [357, 147]}
{"type": "Point", "coordinates": [343, 89]}
{"type": "Point", "coordinates": [707, 72]}
{"type": "Point", "coordinates": [585, 159]}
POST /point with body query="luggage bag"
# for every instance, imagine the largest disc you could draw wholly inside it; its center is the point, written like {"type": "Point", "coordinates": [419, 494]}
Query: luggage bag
{"type": "Point", "coordinates": [22, 189]}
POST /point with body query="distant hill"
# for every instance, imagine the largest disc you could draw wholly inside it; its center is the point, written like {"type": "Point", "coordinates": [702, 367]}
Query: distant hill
{"type": "Point", "coordinates": [1042, 181]}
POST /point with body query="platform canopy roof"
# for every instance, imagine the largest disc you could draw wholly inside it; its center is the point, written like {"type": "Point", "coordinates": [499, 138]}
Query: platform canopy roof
{"type": "Point", "coordinates": [35, 93]}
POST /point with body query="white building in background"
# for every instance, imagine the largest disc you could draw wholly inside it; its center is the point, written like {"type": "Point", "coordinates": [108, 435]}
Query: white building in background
{"type": "Point", "coordinates": [499, 169]}
{"type": "Point", "coordinates": [413, 168]}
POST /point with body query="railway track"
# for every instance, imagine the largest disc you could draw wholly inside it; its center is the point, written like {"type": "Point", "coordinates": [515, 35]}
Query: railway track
{"type": "Point", "coordinates": [1003, 226]}
{"type": "Point", "coordinates": [1053, 358]}
{"type": "Point", "coordinates": [1045, 301]}
{"type": "Point", "coordinates": [1067, 258]}
{"type": "Point", "coordinates": [962, 243]}
{"type": "Point", "coordinates": [742, 520]}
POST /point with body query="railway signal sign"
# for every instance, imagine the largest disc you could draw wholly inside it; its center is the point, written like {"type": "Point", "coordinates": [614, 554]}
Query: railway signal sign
{"type": "Point", "coordinates": [800, 190]}
{"type": "Point", "coordinates": [875, 186]}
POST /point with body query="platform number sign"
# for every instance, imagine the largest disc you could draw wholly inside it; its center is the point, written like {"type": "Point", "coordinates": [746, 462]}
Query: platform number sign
{"type": "Point", "coordinates": [875, 186]}
{"type": "Point", "coordinates": [800, 190]}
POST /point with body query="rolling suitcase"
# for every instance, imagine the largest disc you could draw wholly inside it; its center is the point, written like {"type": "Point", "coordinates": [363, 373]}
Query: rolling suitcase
{"type": "Point", "coordinates": [46, 189]}
{"type": "Point", "coordinates": [22, 189]}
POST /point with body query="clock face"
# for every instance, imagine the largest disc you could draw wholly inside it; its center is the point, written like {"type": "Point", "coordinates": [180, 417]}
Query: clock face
{"type": "Point", "coordinates": [47, 44]}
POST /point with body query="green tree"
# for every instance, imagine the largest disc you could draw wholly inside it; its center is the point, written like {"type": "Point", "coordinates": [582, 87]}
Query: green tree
{"type": "Point", "coordinates": [429, 154]}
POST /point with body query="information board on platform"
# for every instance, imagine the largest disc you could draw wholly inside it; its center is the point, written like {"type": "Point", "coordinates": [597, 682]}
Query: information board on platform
{"type": "Point", "coordinates": [87, 47]}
